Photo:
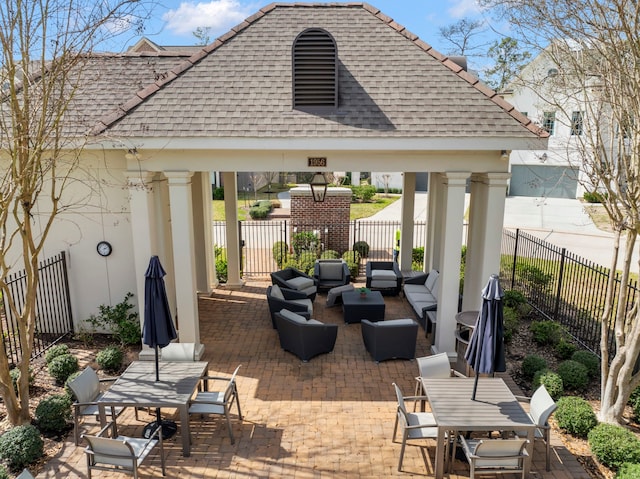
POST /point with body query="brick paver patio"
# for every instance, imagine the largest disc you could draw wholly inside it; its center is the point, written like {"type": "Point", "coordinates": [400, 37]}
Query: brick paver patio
{"type": "Point", "coordinates": [331, 417]}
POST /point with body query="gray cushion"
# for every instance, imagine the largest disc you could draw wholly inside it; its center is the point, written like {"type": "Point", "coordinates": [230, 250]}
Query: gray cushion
{"type": "Point", "coordinates": [396, 322]}
{"type": "Point", "coordinates": [330, 270]}
{"type": "Point", "coordinates": [430, 282]}
{"type": "Point", "coordinates": [383, 274]}
{"type": "Point", "coordinates": [380, 283]}
{"type": "Point", "coordinates": [305, 302]}
{"type": "Point", "coordinates": [285, 313]}
{"type": "Point", "coordinates": [276, 292]}
{"type": "Point", "coordinates": [333, 293]}
{"type": "Point", "coordinates": [314, 321]}
{"type": "Point", "coordinates": [414, 288]}
{"type": "Point", "coordinates": [300, 283]}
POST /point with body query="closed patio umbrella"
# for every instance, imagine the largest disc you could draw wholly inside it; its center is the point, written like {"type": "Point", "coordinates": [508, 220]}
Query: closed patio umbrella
{"type": "Point", "coordinates": [485, 352]}
{"type": "Point", "coordinates": [157, 329]}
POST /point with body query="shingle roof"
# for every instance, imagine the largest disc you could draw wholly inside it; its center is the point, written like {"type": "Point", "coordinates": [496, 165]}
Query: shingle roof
{"type": "Point", "coordinates": [392, 84]}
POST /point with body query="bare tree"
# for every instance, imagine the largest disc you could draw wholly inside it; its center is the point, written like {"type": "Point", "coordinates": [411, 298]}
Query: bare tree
{"type": "Point", "coordinates": [203, 35]}
{"type": "Point", "coordinates": [43, 46]}
{"type": "Point", "coordinates": [461, 36]}
{"type": "Point", "coordinates": [386, 179]}
{"type": "Point", "coordinates": [508, 60]}
{"type": "Point", "coordinates": [593, 80]}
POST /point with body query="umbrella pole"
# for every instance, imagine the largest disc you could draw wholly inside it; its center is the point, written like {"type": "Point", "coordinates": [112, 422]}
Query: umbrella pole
{"type": "Point", "coordinates": [157, 365]}
{"type": "Point", "coordinates": [475, 381]}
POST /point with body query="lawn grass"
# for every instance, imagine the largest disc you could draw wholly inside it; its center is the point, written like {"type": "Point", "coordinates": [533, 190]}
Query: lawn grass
{"type": "Point", "coordinates": [599, 216]}
{"type": "Point", "coordinates": [358, 210]}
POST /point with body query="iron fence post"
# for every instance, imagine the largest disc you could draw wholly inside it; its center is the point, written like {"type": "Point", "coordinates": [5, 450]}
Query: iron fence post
{"type": "Point", "coordinates": [559, 290]}
{"type": "Point", "coordinates": [515, 258]}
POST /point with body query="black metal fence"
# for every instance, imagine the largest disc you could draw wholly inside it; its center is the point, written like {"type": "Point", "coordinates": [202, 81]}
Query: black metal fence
{"type": "Point", "coordinates": [258, 237]}
{"type": "Point", "coordinates": [560, 285]}
{"type": "Point", "coordinates": [53, 308]}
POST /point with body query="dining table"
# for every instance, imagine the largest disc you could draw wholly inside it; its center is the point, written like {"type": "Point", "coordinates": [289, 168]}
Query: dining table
{"type": "Point", "coordinates": [494, 408]}
{"type": "Point", "coordinates": [137, 387]}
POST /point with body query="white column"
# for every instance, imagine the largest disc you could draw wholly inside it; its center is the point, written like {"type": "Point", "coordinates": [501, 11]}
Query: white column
{"type": "Point", "coordinates": [355, 178]}
{"type": "Point", "coordinates": [205, 262]}
{"type": "Point", "coordinates": [434, 222]}
{"type": "Point", "coordinates": [407, 220]}
{"type": "Point", "coordinates": [143, 227]}
{"type": "Point", "coordinates": [233, 238]}
{"type": "Point", "coordinates": [454, 185]}
{"type": "Point", "coordinates": [184, 260]}
{"type": "Point", "coordinates": [486, 217]}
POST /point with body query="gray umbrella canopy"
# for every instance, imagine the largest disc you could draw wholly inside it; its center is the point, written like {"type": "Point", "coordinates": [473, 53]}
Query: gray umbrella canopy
{"type": "Point", "coordinates": [158, 329]}
{"type": "Point", "coordinates": [485, 352]}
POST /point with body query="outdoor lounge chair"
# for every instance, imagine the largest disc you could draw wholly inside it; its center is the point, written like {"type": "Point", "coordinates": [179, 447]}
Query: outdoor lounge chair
{"type": "Point", "coordinates": [331, 273]}
{"type": "Point", "coordinates": [281, 298]}
{"type": "Point", "coordinates": [218, 402]}
{"type": "Point", "coordinates": [494, 456]}
{"type": "Point", "coordinates": [415, 426]}
{"type": "Point", "coordinates": [121, 453]}
{"type": "Point", "coordinates": [305, 338]}
{"type": "Point", "coordinates": [384, 276]}
{"type": "Point", "coordinates": [390, 339]}
{"type": "Point", "coordinates": [291, 278]}
{"type": "Point", "coordinates": [86, 389]}
{"type": "Point", "coordinates": [434, 366]}
{"type": "Point", "coordinates": [541, 406]}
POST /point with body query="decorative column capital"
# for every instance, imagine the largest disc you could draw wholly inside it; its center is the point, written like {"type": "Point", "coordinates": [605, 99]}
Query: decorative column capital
{"type": "Point", "coordinates": [178, 177]}
{"type": "Point", "coordinates": [500, 179]}
{"type": "Point", "coordinates": [455, 178]}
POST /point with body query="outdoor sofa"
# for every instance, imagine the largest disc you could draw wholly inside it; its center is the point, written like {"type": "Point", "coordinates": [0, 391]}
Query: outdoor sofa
{"type": "Point", "coordinates": [421, 292]}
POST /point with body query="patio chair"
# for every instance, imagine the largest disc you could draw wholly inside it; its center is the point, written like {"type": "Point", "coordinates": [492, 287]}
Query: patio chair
{"type": "Point", "coordinates": [87, 391]}
{"type": "Point", "coordinates": [121, 453]}
{"type": "Point", "coordinates": [390, 339]}
{"type": "Point", "coordinates": [434, 366]}
{"type": "Point", "coordinates": [384, 276]}
{"type": "Point", "coordinates": [494, 456]}
{"type": "Point", "coordinates": [281, 298]}
{"type": "Point", "coordinates": [415, 426]}
{"type": "Point", "coordinates": [178, 352]}
{"type": "Point", "coordinates": [305, 338]}
{"type": "Point", "coordinates": [541, 406]}
{"type": "Point", "coordinates": [291, 278]}
{"type": "Point", "coordinates": [218, 402]}
{"type": "Point", "coordinates": [331, 273]}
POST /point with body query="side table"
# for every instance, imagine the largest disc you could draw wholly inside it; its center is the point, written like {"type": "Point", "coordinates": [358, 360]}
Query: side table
{"type": "Point", "coordinates": [356, 308]}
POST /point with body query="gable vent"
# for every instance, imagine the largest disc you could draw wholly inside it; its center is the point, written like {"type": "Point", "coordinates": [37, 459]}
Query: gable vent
{"type": "Point", "coordinates": [315, 72]}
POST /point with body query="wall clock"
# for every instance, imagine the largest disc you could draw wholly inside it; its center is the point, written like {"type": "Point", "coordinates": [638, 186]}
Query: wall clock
{"type": "Point", "coordinates": [104, 248]}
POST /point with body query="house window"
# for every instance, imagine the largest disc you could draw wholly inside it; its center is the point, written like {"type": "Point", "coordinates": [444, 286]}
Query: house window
{"type": "Point", "coordinates": [315, 71]}
{"type": "Point", "coordinates": [576, 123]}
{"type": "Point", "coordinates": [549, 121]}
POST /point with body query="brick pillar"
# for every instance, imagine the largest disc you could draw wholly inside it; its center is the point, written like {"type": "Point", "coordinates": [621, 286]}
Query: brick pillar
{"type": "Point", "coordinates": [330, 218]}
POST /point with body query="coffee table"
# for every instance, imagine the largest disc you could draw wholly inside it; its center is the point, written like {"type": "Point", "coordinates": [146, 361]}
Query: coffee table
{"type": "Point", "coordinates": [356, 308]}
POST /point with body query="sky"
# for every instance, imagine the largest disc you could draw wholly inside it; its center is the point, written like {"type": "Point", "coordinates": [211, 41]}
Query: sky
{"type": "Point", "coordinates": [174, 21]}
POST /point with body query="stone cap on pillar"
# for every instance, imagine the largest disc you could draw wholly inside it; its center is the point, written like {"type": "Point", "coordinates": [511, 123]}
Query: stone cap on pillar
{"type": "Point", "coordinates": [305, 190]}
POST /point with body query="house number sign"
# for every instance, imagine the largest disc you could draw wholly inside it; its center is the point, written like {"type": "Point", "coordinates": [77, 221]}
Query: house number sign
{"type": "Point", "coordinates": [316, 162]}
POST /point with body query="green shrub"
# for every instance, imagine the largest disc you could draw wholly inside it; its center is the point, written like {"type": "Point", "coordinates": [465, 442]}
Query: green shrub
{"type": "Point", "coordinates": [362, 248]}
{"type": "Point", "coordinates": [67, 389]}
{"type": "Point", "coordinates": [417, 255]}
{"type": "Point", "coordinates": [53, 413]}
{"type": "Point", "coordinates": [575, 416]}
{"type": "Point", "coordinates": [565, 349]}
{"type": "Point", "coordinates": [259, 212]}
{"type": "Point", "coordinates": [363, 193]}
{"type": "Point", "coordinates": [306, 261]}
{"type": "Point", "coordinates": [551, 381]}
{"type": "Point", "coordinates": [591, 362]}
{"type": "Point", "coordinates": [531, 364]}
{"type": "Point", "coordinates": [120, 320]}
{"type": "Point", "coordinates": [20, 446]}
{"type": "Point", "coordinates": [61, 367]}
{"type": "Point", "coordinates": [613, 445]}
{"type": "Point", "coordinates": [220, 254]}
{"type": "Point", "coordinates": [594, 197]}
{"type": "Point", "coordinates": [280, 251]}
{"type": "Point", "coordinates": [511, 323]}
{"type": "Point", "coordinates": [110, 359]}
{"type": "Point", "coordinates": [15, 375]}
{"type": "Point", "coordinates": [218, 193]}
{"type": "Point", "coordinates": [3, 472]}
{"type": "Point", "coordinates": [352, 255]}
{"type": "Point", "coordinates": [304, 241]}
{"type": "Point", "coordinates": [574, 375]}
{"type": "Point", "coordinates": [513, 298]}
{"type": "Point", "coordinates": [330, 254]}
{"type": "Point", "coordinates": [546, 332]}
{"type": "Point", "coordinates": [634, 402]}
{"type": "Point", "coordinates": [55, 351]}
{"type": "Point", "coordinates": [534, 275]}
{"type": "Point", "coordinates": [628, 470]}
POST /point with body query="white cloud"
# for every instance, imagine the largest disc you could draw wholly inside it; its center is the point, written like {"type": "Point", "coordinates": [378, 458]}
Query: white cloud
{"type": "Point", "coordinates": [464, 8]}
{"type": "Point", "coordinates": [219, 15]}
